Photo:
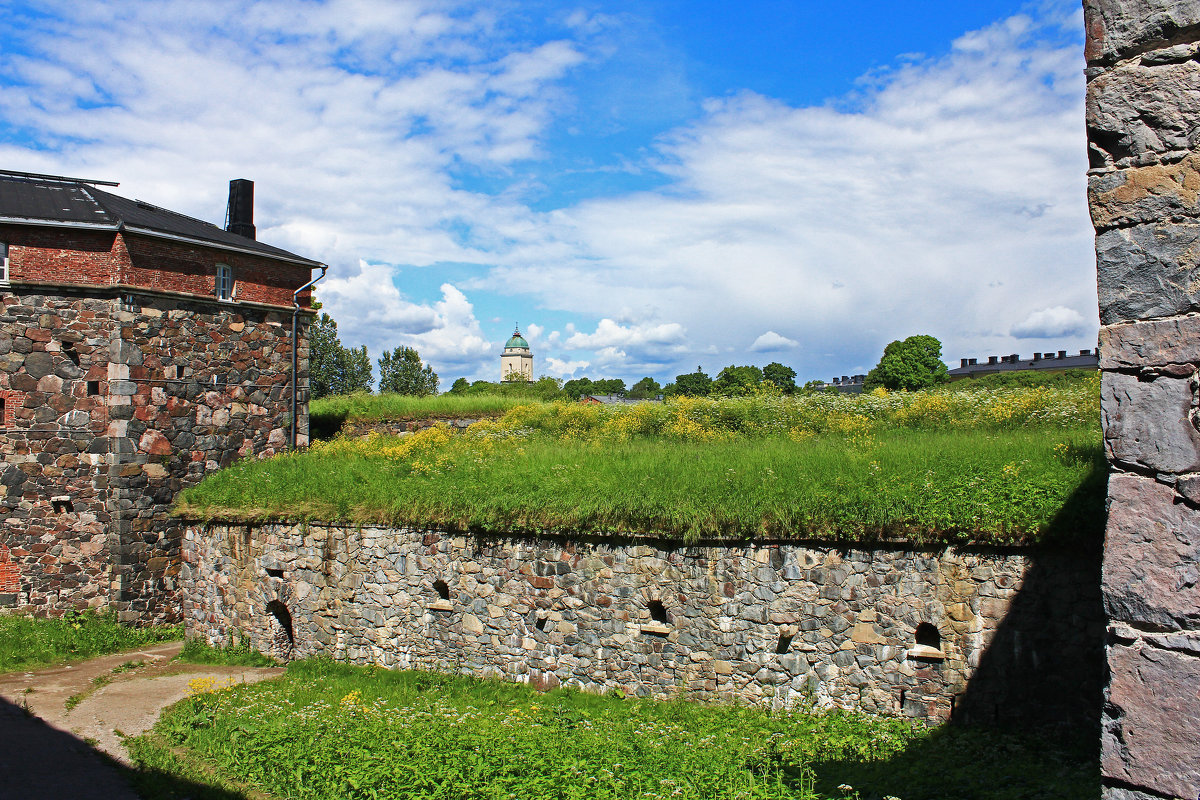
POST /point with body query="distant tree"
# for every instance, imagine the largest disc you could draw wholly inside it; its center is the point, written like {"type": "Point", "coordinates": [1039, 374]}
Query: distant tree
{"type": "Point", "coordinates": [608, 386]}
{"type": "Point", "coordinates": [546, 387]}
{"type": "Point", "coordinates": [644, 389]}
{"type": "Point", "coordinates": [735, 380]}
{"type": "Point", "coordinates": [402, 372]}
{"type": "Point", "coordinates": [577, 388]}
{"type": "Point", "coordinates": [811, 387]}
{"type": "Point", "coordinates": [783, 377]}
{"type": "Point", "coordinates": [332, 368]}
{"type": "Point", "coordinates": [912, 363]}
{"type": "Point", "coordinates": [460, 386]}
{"type": "Point", "coordinates": [694, 384]}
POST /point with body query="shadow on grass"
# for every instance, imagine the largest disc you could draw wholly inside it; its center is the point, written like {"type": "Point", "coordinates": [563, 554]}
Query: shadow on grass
{"type": "Point", "coordinates": [954, 762]}
{"type": "Point", "coordinates": [1027, 726]}
{"type": "Point", "coordinates": [325, 425]}
{"type": "Point", "coordinates": [40, 761]}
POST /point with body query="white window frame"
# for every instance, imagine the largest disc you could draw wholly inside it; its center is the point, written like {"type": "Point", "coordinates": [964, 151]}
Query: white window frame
{"type": "Point", "coordinates": [3, 262]}
{"type": "Point", "coordinates": [225, 286]}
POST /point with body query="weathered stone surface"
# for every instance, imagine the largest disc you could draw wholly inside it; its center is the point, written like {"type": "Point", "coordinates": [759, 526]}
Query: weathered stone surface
{"type": "Point", "coordinates": [56, 346]}
{"type": "Point", "coordinates": [1138, 115]}
{"type": "Point", "coordinates": [1148, 271]}
{"type": "Point", "coordinates": [1157, 343]}
{"type": "Point", "coordinates": [1118, 28]}
{"type": "Point", "coordinates": [1148, 422]}
{"type": "Point", "coordinates": [517, 611]}
{"type": "Point", "coordinates": [1151, 572]}
{"type": "Point", "coordinates": [1147, 194]}
{"type": "Point", "coordinates": [1150, 739]}
{"type": "Point", "coordinates": [39, 364]}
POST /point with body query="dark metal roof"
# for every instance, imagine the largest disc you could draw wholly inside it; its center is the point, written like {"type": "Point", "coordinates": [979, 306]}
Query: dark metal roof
{"type": "Point", "coordinates": [47, 200]}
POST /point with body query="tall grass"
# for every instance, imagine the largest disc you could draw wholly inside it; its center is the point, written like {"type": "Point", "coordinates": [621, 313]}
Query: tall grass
{"type": "Point", "coordinates": [327, 414]}
{"type": "Point", "coordinates": [30, 642]}
{"type": "Point", "coordinates": [327, 730]}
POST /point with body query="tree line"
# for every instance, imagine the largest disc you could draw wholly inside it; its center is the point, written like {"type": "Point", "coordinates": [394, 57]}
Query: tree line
{"type": "Point", "coordinates": [907, 364]}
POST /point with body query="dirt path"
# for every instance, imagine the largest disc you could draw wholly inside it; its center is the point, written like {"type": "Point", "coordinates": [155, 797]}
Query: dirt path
{"type": "Point", "coordinates": [44, 747]}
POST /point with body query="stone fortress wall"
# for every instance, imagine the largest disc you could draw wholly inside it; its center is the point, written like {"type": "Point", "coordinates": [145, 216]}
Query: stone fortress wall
{"type": "Point", "coordinates": [110, 409]}
{"type": "Point", "coordinates": [981, 634]}
{"type": "Point", "coordinates": [1143, 120]}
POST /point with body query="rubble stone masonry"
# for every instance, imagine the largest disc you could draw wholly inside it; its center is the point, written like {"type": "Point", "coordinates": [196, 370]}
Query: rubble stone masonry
{"type": "Point", "coordinates": [1143, 120]}
{"type": "Point", "coordinates": [113, 402]}
{"type": "Point", "coordinates": [985, 635]}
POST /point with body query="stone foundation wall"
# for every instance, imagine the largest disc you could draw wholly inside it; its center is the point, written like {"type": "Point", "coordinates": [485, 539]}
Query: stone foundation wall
{"type": "Point", "coordinates": [1143, 118]}
{"type": "Point", "coordinates": [985, 635]}
{"type": "Point", "coordinates": [111, 409]}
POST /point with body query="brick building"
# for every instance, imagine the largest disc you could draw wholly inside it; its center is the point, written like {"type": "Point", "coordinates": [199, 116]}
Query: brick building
{"type": "Point", "coordinates": [140, 349]}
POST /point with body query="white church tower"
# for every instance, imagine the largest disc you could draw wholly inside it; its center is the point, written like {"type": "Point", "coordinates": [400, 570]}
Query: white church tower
{"type": "Point", "coordinates": [516, 364]}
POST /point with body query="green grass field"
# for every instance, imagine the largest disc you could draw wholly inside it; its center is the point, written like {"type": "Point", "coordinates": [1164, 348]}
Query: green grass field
{"type": "Point", "coordinates": [30, 642]}
{"type": "Point", "coordinates": [327, 730]}
{"type": "Point", "coordinates": [1009, 465]}
{"type": "Point", "coordinates": [999, 487]}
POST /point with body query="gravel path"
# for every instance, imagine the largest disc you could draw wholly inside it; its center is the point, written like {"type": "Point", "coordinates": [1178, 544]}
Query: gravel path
{"type": "Point", "coordinates": [47, 751]}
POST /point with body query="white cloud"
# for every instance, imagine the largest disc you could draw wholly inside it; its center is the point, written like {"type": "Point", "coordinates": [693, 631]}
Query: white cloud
{"type": "Point", "coordinates": [1050, 323]}
{"type": "Point", "coordinates": [944, 194]}
{"type": "Point", "coordinates": [369, 309]}
{"type": "Point", "coordinates": [772, 341]}
{"type": "Point", "coordinates": [949, 191]}
{"type": "Point", "coordinates": [564, 369]}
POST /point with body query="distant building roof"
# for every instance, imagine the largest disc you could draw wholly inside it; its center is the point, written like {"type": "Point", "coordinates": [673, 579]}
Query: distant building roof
{"type": "Point", "coordinates": [55, 201]}
{"type": "Point", "coordinates": [970, 367]}
{"type": "Point", "coordinates": [517, 340]}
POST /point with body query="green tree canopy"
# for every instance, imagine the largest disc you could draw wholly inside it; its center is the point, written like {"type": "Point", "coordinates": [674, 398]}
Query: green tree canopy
{"type": "Point", "coordinates": [460, 386]}
{"type": "Point", "coordinates": [644, 389]}
{"type": "Point", "coordinates": [332, 368]}
{"type": "Point", "coordinates": [911, 364]}
{"type": "Point", "coordinates": [737, 380]}
{"type": "Point", "coordinates": [783, 377]}
{"type": "Point", "coordinates": [694, 384]}
{"type": "Point", "coordinates": [402, 372]}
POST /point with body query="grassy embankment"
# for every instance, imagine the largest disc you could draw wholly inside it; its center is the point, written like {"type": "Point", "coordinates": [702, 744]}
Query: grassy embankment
{"type": "Point", "coordinates": [327, 730]}
{"type": "Point", "coordinates": [28, 642]}
{"type": "Point", "coordinates": [1005, 466]}
{"type": "Point", "coordinates": [327, 414]}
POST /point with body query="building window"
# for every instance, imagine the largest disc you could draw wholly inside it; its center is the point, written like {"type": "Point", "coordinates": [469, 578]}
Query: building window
{"type": "Point", "coordinates": [224, 282]}
{"type": "Point", "coordinates": [3, 262]}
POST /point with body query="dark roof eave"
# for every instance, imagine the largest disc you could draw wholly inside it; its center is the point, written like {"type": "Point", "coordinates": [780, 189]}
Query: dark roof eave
{"type": "Point", "coordinates": [174, 237]}
{"type": "Point", "coordinates": [278, 255]}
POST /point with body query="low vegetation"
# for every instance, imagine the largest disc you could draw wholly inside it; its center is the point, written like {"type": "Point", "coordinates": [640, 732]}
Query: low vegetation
{"type": "Point", "coordinates": [32, 642]}
{"type": "Point", "coordinates": [327, 730]}
{"type": "Point", "coordinates": [233, 653]}
{"type": "Point", "coordinates": [328, 413]}
{"type": "Point", "coordinates": [1003, 466]}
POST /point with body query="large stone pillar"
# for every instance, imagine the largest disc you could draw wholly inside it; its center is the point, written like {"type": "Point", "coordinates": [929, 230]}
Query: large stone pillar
{"type": "Point", "coordinates": [1143, 118]}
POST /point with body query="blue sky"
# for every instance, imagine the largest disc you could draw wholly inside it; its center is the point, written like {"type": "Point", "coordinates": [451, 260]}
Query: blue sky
{"type": "Point", "coordinates": [643, 186]}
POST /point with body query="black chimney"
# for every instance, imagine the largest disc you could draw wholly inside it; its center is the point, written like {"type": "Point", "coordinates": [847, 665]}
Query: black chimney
{"type": "Point", "coordinates": [239, 215]}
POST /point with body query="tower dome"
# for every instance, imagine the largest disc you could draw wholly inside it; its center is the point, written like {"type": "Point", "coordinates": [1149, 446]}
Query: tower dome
{"type": "Point", "coordinates": [516, 362]}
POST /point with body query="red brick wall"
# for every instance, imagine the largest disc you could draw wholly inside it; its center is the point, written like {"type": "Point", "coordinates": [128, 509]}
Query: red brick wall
{"type": "Point", "coordinates": [177, 267]}
{"type": "Point", "coordinates": [12, 401]}
{"type": "Point", "coordinates": [99, 258]}
{"type": "Point", "coordinates": [58, 255]}
{"type": "Point", "coordinates": [10, 573]}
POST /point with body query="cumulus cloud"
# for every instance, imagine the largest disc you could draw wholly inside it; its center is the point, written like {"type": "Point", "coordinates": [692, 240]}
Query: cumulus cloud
{"type": "Point", "coordinates": [370, 309]}
{"type": "Point", "coordinates": [564, 369]}
{"type": "Point", "coordinates": [771, 341]}
{"type": "Point", "coordinates": [943, 193]}
{"type": "Point", "coordinates": [948, 191]}
{"type": "Point", "coordinates": [1050, 323]}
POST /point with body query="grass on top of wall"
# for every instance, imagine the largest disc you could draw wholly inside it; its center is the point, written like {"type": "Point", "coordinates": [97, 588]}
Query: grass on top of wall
{"type": "Point", "coordinates": [1001, 487]}
{"type": "Point", "coordinates": [329, 730]}
{"type": "Point", "coordinates": [30, 642]}
{"type": "Point", "coordinates": [327, 414]}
